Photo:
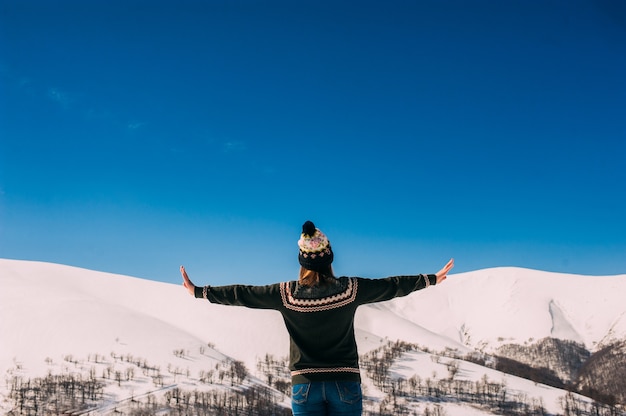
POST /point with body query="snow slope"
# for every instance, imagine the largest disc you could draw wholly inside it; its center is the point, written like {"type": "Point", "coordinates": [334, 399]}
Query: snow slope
{"type": "Point", "coordinates": [486, 308]}
{"type": "Point", "coordinates": [50, 311]}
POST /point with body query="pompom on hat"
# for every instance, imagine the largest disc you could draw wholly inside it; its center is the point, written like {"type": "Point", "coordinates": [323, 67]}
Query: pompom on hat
{"type": "Point", "coordinates": [315, 251]}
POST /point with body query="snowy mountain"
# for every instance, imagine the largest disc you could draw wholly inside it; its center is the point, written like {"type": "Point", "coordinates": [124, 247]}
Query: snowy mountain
{"type": "Point", "coordinates": [141, 341]}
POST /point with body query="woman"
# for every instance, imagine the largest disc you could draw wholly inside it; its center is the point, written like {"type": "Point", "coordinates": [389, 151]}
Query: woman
{"type": "Point", "coordinates": [318, 311]}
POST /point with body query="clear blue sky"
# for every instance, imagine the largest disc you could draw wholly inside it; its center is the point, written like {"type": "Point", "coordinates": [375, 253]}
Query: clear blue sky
{"type": "Point", "coordinates": [136, 136]}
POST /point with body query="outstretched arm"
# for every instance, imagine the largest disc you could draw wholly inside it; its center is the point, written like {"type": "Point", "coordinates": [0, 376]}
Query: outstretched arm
{"type": "Point", "coordinates": [443, 273]}
{"type": "Point", "coordinates": [260, 297]}
{"type": "Point", "coordinates": [377, 290]}
{"type": "Point", "coordinates": [186, 282]}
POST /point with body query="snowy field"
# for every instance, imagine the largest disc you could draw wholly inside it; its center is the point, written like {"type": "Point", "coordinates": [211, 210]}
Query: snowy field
{"type": "Point", "coordinates": [147, 338]}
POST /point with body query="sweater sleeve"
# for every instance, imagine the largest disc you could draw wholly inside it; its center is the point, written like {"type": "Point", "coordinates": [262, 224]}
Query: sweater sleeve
{"type": "Point", "coordinates": [258, 297]}
{"type": "Point", "coordinates": [378, 290]}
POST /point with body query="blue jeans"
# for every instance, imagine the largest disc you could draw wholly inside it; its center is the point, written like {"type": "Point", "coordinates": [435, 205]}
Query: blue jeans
{"type": "Point", "coordinates": [327, 398]}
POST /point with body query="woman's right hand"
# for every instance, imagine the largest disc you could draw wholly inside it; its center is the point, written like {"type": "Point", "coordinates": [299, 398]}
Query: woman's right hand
{"type": "Point", "coordinates": [187, 283]}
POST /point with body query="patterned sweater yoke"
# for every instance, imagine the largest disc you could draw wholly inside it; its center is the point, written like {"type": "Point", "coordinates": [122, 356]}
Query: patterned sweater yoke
{"type": "Point", "coordinates": [315, 299]}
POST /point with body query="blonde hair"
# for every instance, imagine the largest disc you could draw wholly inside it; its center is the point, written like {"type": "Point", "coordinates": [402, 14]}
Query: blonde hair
{"type": "Point", "coordinates": [314, 278]}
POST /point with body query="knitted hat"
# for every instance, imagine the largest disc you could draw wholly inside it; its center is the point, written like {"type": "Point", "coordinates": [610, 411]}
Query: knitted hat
{"type": "Point", "coordinates": [315, 251]}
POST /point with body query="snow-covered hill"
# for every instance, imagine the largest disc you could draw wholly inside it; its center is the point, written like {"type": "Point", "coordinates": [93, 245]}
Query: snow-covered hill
{"type": "Point", "coordinates": [56, 318]}
{"type": "Point", "coordinates": [486, 308]}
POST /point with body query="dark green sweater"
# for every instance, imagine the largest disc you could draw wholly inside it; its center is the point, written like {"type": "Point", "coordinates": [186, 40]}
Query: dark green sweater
{"type": "Point", "coordinates": [320, 319]}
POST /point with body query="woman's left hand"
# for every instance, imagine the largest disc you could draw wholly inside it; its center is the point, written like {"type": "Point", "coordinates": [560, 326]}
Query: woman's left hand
{"type": "Point", "coordinates": [443, 273]}
{"type": "Point", "coordinates": [186, 282]}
